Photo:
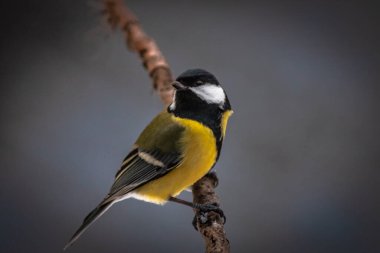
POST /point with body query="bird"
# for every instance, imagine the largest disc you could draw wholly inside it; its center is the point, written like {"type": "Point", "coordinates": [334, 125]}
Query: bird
{"type": "Point", "coordinates": [180, 146]}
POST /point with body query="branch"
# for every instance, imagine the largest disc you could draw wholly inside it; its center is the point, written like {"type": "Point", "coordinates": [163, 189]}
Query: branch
{"type": "Point", "coordinates": [118, 15]}
{"type": "Point", "coordinates": [213, 230]}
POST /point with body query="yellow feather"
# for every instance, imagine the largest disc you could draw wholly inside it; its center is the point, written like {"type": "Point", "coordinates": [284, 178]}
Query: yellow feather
{"type": "Point", "coordinates": [199, 154]}
{"type": "Point", "coordinates": [225, 117]}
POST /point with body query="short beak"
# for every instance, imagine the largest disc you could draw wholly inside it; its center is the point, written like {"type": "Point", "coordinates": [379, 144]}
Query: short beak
{"type": "Point", "coordinates": [179, 86]}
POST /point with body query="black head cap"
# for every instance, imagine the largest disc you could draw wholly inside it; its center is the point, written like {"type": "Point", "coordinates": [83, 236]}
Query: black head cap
{"type": "Point", "coordinates": [196, 77]}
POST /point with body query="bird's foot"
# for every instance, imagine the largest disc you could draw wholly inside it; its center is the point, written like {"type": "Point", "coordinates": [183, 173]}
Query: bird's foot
{"type": "Point", "coordinates": [208, 213]}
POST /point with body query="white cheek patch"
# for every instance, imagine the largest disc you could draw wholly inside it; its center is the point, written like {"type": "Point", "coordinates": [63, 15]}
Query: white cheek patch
{"type": "Point", "coordinates": [210, 93]}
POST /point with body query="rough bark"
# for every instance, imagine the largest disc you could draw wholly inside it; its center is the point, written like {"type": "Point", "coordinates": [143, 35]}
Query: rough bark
{"type": "Point", "coordinates": [118, 15]}
{"type": "Point", "coordinates": [211, 227]}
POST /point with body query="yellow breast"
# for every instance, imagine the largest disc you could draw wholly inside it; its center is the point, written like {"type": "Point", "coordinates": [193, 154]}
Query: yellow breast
{"type": "Point", "coordinates": [199, 154]}
{"type": "Point", "coordinates": [225, 117]}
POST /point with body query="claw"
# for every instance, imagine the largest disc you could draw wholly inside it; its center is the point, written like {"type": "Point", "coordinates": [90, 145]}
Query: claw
{"type": "Point", "coordinates": [202, 215]}
{"type": "Point", "coordinates": [194, 222]}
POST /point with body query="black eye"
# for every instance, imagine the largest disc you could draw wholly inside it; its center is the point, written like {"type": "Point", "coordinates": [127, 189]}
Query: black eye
{"type": "Point", "coordinates": [197, 83]}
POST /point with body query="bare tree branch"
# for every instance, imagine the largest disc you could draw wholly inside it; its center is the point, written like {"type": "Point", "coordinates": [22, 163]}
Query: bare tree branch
{"type": "Point", "coordinates": [118, 15]}
{"type": "Point", "coordinates": [213, 229]}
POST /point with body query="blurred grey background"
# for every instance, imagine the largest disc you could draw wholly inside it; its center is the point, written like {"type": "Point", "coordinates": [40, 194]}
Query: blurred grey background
{"type": "Point", "coordinates": [299, 167]}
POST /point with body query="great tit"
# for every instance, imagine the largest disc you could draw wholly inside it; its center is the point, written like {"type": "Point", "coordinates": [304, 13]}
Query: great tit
{"type": "Point", "coordinates": [175, 150]}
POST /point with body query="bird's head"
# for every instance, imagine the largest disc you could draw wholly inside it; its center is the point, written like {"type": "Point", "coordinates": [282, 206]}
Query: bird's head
{"type": "Point", "coordinates": [197, 90]}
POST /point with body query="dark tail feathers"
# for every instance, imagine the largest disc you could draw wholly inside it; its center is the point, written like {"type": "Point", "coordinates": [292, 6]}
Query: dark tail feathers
{"type": "Point", "coordinates": [90, 218]}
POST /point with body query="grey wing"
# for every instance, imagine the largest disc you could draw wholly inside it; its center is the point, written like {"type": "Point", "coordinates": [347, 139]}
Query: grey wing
{"type": "Point", "coordinates": [139, 167]}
